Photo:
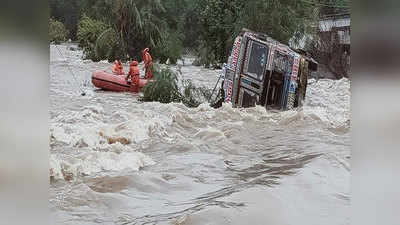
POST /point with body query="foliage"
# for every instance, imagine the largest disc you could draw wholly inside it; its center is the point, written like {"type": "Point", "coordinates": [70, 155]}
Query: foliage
{"type": "Point", "coordinates": [121, 29]}
{"type": "Point", "coordinates": [217, 21]}
{"type": "Point", "coordinates": [138, 24]}
{"type": "Point", "coordinates": [169, 48]}
{"type": "Point", "coordinates": [282, 20]}
{"type": "Point", "coordinates": [205, 26]}
{"type": "Point", "coordinates": [333, 7]}
{"type": "Point", "coordinates": [174, 13]}
{"type": "Point", "coordinates": [195, 95]}
{"type": "Point", "coordinates": [57, 31]}
{"type": "Point", "coordinates": [98, 9]}
{"type": "Point", "coordinates": [170, 45]}
{"type": "Point", "coordinates": [205, 56]}
{"type": "Point", "coordinates": [135, 25]}
{"type": "Point", "coordinates": [89, 31]}
{"type": "Point", "coordinates": [191, 25]}
{"type": "Point", "coordinates": [222, 21]}
{"type": "Point", "coordinates": [67, 12]}
{"type": "Point", "coordinates": [166, 89]}
{"type": "Point", "coordinates": [108, 46]}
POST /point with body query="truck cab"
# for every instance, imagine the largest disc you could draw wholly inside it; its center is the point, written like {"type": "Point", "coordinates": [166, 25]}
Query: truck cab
{"type": "Point", "coordinates": [262, 71]}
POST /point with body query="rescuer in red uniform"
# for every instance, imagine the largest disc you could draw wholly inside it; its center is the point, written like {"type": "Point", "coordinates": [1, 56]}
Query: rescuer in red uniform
{"type": "Point", "coordinates": [148, 64]}
{"type": "Point", "coordinates": [118, 69]}
{"type": "Point", "coordinates": [134, 74]}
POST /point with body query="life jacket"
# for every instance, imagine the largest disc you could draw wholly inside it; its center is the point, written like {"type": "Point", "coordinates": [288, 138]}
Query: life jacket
{"type": "Point", "coordinates": [148, 63]}
{"type": "Point", "coordinates": [115, 68]}
{"type": "Point", "coordinates": [147, 59]}
{"type": "Point", "coordinates": [134, 72]}
{"type": "Point", "coordinates": [118, 68]}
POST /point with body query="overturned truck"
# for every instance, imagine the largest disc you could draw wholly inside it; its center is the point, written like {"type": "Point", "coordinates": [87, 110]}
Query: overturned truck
{"type": "Point", "coordinates": [262, 71]}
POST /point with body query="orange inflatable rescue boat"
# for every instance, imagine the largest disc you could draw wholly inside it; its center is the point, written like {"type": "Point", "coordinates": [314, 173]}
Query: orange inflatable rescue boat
{"type": "Point", "coordinates": [111, 82]}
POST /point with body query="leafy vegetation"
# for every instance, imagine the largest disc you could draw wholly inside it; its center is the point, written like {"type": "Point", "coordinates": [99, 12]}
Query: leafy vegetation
{"type": "Point", "coordinates": [68, 12]}
{"type": "Point", "coordinates": [218, 29]}
{"type": "Point", "coordinates": [167, 27]}
{"type": "Point", "coordinates": [166, 89]}
{"type": "Point", "coordinates": [89, 32]}
{"type": "Point", "coordinates": [138, 24]}
{"type": "Point", "coordinates": [57, 31]}
{"type": "Point", "coordinates": [169, 48]}
{"type": "Point", "coordinates": [121, 29]}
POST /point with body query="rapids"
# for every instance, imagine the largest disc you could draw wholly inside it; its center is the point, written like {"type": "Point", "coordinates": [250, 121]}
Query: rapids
{"type": "Point", "coordinates": [115, 160]}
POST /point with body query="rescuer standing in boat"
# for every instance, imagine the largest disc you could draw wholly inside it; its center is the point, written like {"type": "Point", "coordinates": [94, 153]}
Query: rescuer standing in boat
{"type": "Point", "coordinates": [148, 64]}
{"type": "Point", "coordinates": [134, 75]}
{"type": "Point", "coordinates": [118, 69]}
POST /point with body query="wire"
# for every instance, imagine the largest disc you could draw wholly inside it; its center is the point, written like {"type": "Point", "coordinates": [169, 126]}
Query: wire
{"type": "Point", "coordinates": [72, 72]}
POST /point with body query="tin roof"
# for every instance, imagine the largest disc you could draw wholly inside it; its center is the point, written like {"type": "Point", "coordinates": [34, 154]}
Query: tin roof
{"type": "Point", "coordinates": [329, 23]}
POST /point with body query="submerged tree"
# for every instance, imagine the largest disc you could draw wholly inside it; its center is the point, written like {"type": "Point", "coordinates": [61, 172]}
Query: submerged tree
{"type": "Point", "coordinates": [168, 88]}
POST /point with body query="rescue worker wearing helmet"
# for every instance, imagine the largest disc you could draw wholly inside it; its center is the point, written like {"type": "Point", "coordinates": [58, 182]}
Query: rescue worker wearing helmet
{"type": "Point", "coordinates": [118, 69]}
{"type": "Point", "coordinates": [133, 75]}
{"type": "Point", "coordinates": [148, 64]}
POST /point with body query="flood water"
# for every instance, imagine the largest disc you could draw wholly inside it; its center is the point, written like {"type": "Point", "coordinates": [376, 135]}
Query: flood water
{"type": "Point", "coordinates": [115, 160]}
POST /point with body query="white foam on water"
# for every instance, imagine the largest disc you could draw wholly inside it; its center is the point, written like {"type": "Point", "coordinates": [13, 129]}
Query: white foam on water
{"type": "Point", "coordinates": [78, 127]}
{"type": "Point", "coordinates": [90, 127]}
{"type": "Point", "coordinates": [209, 133]}
{"type": "Point", "coordinates": [95, 162]}
{"type": "Point", "coordinates": [329, 100]}
{"type": "Point", "coordinates": [104, 62]}
{"type": "Point", "coordinates": [103, 138]}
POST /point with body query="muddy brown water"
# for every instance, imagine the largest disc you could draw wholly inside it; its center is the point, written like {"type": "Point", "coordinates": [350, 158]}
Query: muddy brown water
{"type": "Point", "coordinates": [115, 160]}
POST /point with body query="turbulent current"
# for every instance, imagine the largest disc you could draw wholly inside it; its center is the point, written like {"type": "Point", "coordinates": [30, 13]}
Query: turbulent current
{"type": "Point", "coordinates": [115, 160]}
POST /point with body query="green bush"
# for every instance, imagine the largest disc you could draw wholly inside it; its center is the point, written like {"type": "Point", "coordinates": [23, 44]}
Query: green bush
{"type": "Point", "coordinates": [165, 89]}
{"type": "Point", "coordinates": [57, 31]}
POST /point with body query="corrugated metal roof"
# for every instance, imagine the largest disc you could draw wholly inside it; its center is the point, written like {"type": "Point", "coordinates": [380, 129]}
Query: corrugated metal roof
{"type": "Point", "coordinates": [328, 24]}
